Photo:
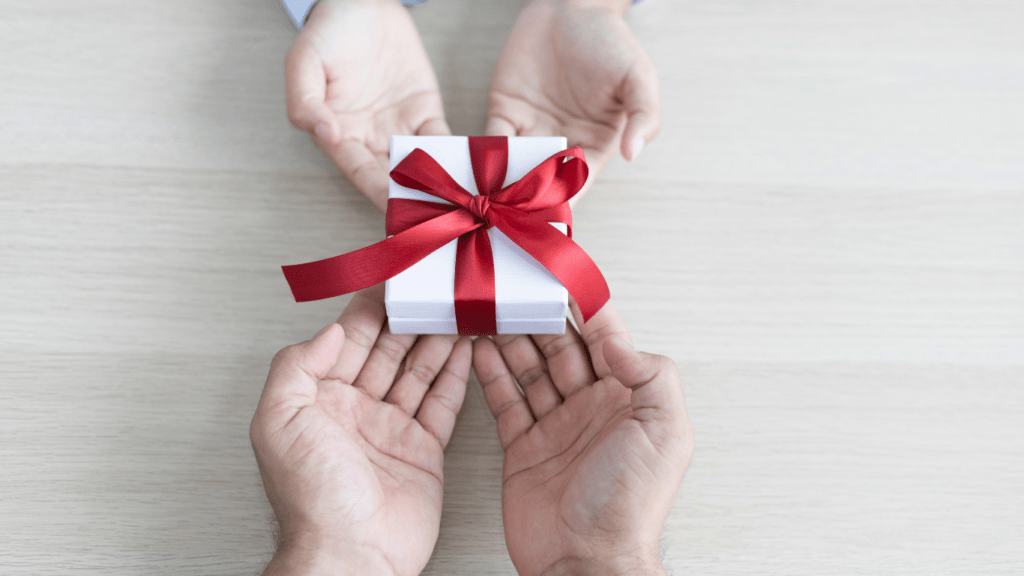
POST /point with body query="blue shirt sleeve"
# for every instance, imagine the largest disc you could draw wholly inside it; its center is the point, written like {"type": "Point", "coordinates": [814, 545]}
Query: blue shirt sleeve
{"type": "Point", "coordinates": [298, 10]}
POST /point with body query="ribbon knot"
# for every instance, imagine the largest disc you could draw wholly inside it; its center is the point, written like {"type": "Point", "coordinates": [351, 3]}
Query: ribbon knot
{"type": "Point", "coordinates": [480, 206]}
{"type": "Point", "coordinates": [416, 228]}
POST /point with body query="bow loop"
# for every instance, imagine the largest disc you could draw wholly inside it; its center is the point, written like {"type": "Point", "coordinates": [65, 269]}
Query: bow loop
{"type": "Point", "coordinates": [550, 184]}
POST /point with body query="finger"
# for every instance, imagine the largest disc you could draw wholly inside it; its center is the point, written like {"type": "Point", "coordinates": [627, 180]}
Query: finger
{"type": "Point", "coordinates": [442, 403]}
{"type": "Point", "coordinates": [383, 362]}
{"type": "Point", "coordinates": [367, 171]}
{"type": "Point", "coordinates": [531, 371]}
{"type": "Point", "coordinates": [639, 94]}
{"type": "Point", "coordinates": [434, 127]}
{"type": "Point", "coordinates": [421, 366]}
{"type": "Point", "coordinates": [362, 320]}
{"type": "Point", "coordinates": [509, 407]}
{"type": "Point", "coordinates": [657, 394]}
{"type": "Point", "coordinates": [295, 371]}
{"type": "Point", "coordinates": [306, 91]}
{"type": "Point", "coordinates": [567, 360]}
{"type": "Point", "coordinates": [499, 126]}
{"type": "Point", "coordinates": [601, 326]}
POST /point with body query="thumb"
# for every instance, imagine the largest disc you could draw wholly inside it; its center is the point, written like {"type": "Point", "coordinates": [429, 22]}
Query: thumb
{"type": "Point", "coordinates": [639, 95]}
{"type": "Point", "coordinates": [306, 92]}
{"type": "Point", "coordinates": [657, 394]}
{"type": "Point", "coordinates": [499, 126]}
{"type": "Point", "coordinates": [296, 370]}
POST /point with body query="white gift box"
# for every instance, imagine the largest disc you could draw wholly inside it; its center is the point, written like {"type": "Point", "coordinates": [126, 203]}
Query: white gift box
{"type": "Point", "coordinates": [528, 298]}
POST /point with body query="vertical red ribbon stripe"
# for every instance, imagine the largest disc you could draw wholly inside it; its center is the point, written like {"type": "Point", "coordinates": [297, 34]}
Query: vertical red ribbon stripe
{"type": "Point", "coordinates": [475, 299]}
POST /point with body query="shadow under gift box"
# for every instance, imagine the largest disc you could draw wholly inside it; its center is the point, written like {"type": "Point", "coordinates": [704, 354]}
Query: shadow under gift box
{"type": "Point", "coordinates": [528, 298]}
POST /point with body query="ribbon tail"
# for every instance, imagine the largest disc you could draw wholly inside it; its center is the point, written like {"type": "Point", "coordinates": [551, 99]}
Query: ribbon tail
{"type": "Point", "coordinates": [561, 256]}
{"type": "Point", "coordinates": [376, 263]}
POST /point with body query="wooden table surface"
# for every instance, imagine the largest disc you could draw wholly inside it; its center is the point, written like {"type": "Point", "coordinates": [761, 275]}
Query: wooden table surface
{"type": "Point", "coordinates": [827, 236]}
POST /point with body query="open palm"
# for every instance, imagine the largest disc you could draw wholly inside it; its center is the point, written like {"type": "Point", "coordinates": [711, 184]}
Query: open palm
{"type": "Point", "coordinates": [578, 73]}
{"type": "Point", "coordinates": [595, 446]}
{"type": "Point", "coordinates": [350, 434]}
{"type": "Point", "coordinates": [356, 75]}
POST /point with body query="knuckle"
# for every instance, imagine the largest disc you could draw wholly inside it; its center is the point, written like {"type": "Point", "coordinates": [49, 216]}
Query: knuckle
{"type": "Point", "coordinates": [363, 171]}
{"type": "Point", "coordinates": [390, 349]}
{"type": "Point", "coordinates": [594, 338]}
{"type": "Point", "coordinates": [489, 380]}
{"type": "Point", "coordinates": [556, 346]}
{"type": "Point", "coordinates": [256, 435]}
{"type": "Point", "coordinates": [504, 408]}
{"type": "Point", "coordinates": [420, 371]}
{"type": "Point", "coordinates": [294, 115]}
{"type": "Point", "coordinates": [359, 336]}
{"type": "Point", "coordinates": [286, 355]}
{"type": "Point", "coordinates": [530, 376]}
{"type": "Point", "coordinates": [668, 366]}
{"type": "Point", "coordinates": [447, 403]}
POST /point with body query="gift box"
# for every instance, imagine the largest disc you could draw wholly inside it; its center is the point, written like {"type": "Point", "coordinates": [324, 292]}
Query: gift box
{"type": "Point", "coordinates": [479, 240]}
{"type": "Point", "coordinates": [528, 298]}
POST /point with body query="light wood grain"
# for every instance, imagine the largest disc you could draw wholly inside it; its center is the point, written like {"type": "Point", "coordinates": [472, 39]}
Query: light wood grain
{"type": "Point", "coordinates": [827, 236]}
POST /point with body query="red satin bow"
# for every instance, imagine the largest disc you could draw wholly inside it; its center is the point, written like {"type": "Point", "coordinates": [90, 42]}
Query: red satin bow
{"type": "Point", "coordinates": [417, 228]}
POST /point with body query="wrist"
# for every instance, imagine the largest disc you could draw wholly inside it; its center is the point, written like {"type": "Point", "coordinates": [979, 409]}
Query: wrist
{"type": "Point", "coordinates": [619, 565]}
{"type": "Point", "coordinates": [616, 6]}
{"type": "Point", "coordinates": [314, 555]}
{"type": "Point", "coordinates": [326, 5]}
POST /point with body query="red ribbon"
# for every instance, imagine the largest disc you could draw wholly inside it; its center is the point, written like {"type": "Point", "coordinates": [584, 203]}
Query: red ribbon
{"type": "Point", "coordinates": [417, 228]}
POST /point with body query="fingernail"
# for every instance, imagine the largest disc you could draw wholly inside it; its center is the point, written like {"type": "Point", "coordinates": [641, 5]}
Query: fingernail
{"type": "Point", "coordinates": [324, 329]}
{"type": "Point", "coordinates": [638, 146]}
{"type": "Point", "coordinates": [323, 131]}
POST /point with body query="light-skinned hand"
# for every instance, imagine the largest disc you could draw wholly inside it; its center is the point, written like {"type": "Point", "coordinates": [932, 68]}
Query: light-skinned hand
{"type": "Point", "coordinates": [572, 68]}
{"type": "Point", "coordinates": [356, 75]}
{"type": "Point", "coordinates": [594, 451]}
{"type": "Point", "coordinates": [349, 436]}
